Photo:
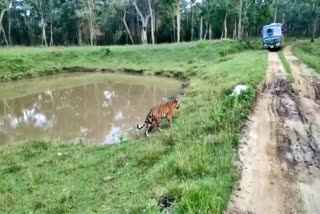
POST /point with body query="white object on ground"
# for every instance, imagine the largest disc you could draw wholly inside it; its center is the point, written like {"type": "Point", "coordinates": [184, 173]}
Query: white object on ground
{"type": "Point", "coordinates": [239, 89]}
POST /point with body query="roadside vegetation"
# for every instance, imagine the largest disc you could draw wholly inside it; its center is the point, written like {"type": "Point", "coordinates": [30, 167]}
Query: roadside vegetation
{"type": "Point", "coordinates": [309, 53]}
{"type": "Point", "coordinates": [286, 65]}
{"type": "Point", "coordinates": [284, 62]}
{"type": "Point", "coordinates": [186, 169]}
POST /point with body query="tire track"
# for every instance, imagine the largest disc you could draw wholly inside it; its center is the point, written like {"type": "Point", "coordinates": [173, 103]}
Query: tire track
{"type": "Point", "coordinates": [304, 142]}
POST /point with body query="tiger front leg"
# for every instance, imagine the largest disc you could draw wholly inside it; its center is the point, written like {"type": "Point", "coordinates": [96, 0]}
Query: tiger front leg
{"type": "Point", "coordinates": [169, 118]}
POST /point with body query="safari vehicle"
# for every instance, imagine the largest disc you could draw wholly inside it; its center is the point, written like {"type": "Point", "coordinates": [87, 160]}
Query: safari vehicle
{"type": "Point", "coordinates": [273, 36]}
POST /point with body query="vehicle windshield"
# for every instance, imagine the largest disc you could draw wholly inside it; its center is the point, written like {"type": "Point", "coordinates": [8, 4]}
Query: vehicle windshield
{"type": "Point", "coordinates": [272, 31]}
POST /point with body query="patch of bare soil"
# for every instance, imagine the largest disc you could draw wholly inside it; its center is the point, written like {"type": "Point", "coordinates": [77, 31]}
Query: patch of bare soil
{"type": "Point", "coordinates": [266, 184]}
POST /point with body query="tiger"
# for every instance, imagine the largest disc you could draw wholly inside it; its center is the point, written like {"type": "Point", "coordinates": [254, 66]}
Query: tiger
{"type": "Point", "coordinates": [157, 113]}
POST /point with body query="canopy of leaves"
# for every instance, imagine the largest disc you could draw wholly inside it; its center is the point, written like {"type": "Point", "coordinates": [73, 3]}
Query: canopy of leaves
{"type": "Point", "coordinates": [70, 19]}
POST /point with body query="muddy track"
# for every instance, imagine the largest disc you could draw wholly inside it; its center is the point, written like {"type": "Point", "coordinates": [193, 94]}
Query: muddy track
{"type": "Point", "coordinates": [304, 142]}
{"type": "Point", "coordinates": [279, 150]}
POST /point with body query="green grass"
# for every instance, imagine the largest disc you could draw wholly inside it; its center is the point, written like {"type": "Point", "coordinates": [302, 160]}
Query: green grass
{"type": "Point", "coordinates": [284, 61]}
{"type": "Point", "coordinates": [285, 64]}
{"type": "Point", "coordinates": [186, 169]}
{"type": "Point", "coordinates": [309, 53]}
{"type": "Point", "coordinates": [18, 63]}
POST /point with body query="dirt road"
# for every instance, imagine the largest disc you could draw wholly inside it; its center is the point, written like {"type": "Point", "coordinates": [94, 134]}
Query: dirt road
{"type": "Point", "coordinates": [305, 143]}
{"type": "Point", "coordinates": [279, 151]}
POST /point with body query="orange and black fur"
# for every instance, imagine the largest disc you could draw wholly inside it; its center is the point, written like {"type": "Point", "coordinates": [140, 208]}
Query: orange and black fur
{"type": "Point", "coordinates": [159, 112]}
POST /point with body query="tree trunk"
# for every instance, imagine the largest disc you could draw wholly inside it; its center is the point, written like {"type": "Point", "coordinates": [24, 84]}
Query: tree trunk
{"type": "Point", "coordinates": [192, 20]}
{"type": "Point", "coordinates": [174, 29]}
{"type": "Point", "coordinates": [187, 25]}
{"type": "Point", "coordinates": [178, 20]}
{"type": "Point", "coordinates": [137, 28]}
{"type": "Point", "coordinates": [51, 32]}
{"type": "Point", "coordinates": [222, 32]}
{"type": "Point", "coordinates": [247, 36]}
{"type": "Point", "coordinates": [144, 37]}
{"type": "Point", "coordinates": [9, 27]}
{"type": "Point", "coordinates": [4, 34]}
{"type": "Point", "coordinates": [44, 36]}
{"type": "Point", "coordinates": [283, 18]}
{"type": "Point", "coordinates": [30, 31]}
{"type": "Point", "coordinates": [91, 27]}
{"type": "Point", "coordinates": [51, 27]}
{"type": "Point", "coordinates": [314, 30]}
{"type": "Point", "coordinates": [242, 31]}
{"type": "Point", "coordinates": [152, 22]}
{"type": "Point", "coordinates": [79, 35]}
{"type": "Point", "coordinates": [235, 30]}
{"type": "Point", "coordinates": [314, 26]}
{"type": "Point", "coordinates": [1, 26]}
{"type": "Point", "coordinates": [206, 32]}
{"type": "Point", "coordinates": [225, 25]}
{"type": "Point", "coordinates": [2, 14]}
{"type": "Point", "coordinates": [240, 21]}
{"type": "Point", "coordinates": [127, 28]}
{"type": "Point", "coordinates": [275, 11]}
{"type": "Point", "coordinates": [201, 26]}
{"type": "Point", "coordinates": [210, 31]}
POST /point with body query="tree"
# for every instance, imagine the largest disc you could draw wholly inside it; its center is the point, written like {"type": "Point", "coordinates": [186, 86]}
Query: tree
{"type": "Point", "coordinates": [144, 19]}
{"type": "Point", "coordinates": [42, 9]}
{"type": "Point", "coordinates": [4, 7]}
{"type": "Point", "coordinates": [121, 9]}
{"type": "Point", "coordinates": [240, 20]}
{"type": "Point", "coordinates": [315, 13]}
{"type": "Point", "coordinates": [192, 3]}
{"type": "Point", "coordinates": [91, 7]}
{"type": "Point", "coordinates": [178, 14]}
{"type": "Point", "coordinates": [152, 21]}
{"type": "Point", "coordinates": [106, 22]}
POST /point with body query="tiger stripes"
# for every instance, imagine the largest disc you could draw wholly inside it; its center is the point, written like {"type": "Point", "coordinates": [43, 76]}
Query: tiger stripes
{"type": "Point", "coordinates": [159, 112]}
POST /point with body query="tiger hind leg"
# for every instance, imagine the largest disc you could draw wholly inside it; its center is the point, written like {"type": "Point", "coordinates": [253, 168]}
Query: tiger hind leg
{"type": "Point", "coordinates": [158, 123]}
{"type": "Point", "coordinates": [148, 129]}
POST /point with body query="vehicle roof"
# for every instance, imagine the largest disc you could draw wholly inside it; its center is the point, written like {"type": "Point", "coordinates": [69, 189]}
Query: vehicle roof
{"type": "Point", "coordinates": [272, 25]}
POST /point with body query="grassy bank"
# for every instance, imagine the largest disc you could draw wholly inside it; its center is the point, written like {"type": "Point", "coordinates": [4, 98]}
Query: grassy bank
{"type": "Point", "coordinates": [309, 53]}
{"type": "Point", "coordinates": [18, 63]}
{"type": "Point", "coordinates": [186, 169]}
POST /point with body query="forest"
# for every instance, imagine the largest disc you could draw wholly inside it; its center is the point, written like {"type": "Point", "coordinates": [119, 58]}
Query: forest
{"type": "Point", "coordinates": [111, 22]}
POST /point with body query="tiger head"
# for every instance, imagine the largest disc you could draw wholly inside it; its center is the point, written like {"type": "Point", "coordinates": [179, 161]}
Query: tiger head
{"type": "Point", "coordinates": [177, 103]}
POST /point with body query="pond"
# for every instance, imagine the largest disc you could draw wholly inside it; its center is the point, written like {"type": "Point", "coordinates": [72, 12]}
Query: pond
{"type": "Point", "coordinates": [79, 107]}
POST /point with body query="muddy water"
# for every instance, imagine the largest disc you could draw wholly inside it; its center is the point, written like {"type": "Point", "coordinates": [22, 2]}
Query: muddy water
{"type": "Point", "coordinates": [89, 108]}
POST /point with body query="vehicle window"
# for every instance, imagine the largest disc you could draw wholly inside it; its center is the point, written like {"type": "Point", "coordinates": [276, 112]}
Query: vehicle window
{"type": "Point", "coordinates": [272, 31]}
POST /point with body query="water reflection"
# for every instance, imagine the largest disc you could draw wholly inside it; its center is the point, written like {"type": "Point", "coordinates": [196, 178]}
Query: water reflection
{"type": "Point", "coordinates": [90, 113]}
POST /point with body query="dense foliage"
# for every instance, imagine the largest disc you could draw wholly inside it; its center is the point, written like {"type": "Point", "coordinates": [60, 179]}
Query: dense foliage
{"type": "Point", "coordinates": [102, 22]}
